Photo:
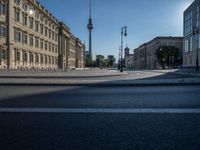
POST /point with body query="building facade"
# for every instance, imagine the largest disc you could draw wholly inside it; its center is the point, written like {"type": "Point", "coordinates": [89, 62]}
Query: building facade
{"type": "Point", "coordinates": [191, 42]}
{"type": "Point", "coordinates": [31, 37]}
{"type": "Point", "coordinates": [145, 55]}
{"type": "Point", "coordinates": [139, 57]}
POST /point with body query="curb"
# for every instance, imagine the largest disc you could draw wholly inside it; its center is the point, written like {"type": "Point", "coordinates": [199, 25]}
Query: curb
{"type": "Point", "coordinates": [60, 77]}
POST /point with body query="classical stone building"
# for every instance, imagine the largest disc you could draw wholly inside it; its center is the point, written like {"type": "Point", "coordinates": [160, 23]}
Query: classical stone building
{"type": "Point", "coordinates": [191, 42]}
{"type": "Point", "coordinates": [129, 58]}
{"type": "Point", "coordinates": [145, 55]}
{"type": "Point", "coordinates": [79, 54]}
{"type": "Point", "coordinates": [31, 37]}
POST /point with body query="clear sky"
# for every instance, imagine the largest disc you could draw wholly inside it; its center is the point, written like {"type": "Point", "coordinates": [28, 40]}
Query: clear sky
{"type": "Point", "coordinates": [145, 19]}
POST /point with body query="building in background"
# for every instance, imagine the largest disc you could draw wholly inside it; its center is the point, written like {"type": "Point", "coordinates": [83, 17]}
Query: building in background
{"type": "Point", "coordinates": [80, 48]}
{"type": "Point", "coordinates": [191, 42]}
{"type": "Point", "coordinates": [145, 55]}
{"type": "Point", "coordinates": [129, 58]}
{"type": "Point", "coordinates": [139, 57]}
{"type": "Point", "coordinates": [32, 38]}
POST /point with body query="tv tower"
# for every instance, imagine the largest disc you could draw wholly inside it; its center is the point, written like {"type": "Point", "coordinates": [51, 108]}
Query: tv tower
{"type": "Point", "coordinates": [90, 28]}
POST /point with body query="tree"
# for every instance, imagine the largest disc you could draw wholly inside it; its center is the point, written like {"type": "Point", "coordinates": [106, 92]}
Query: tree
{"type": "Point", "coordinates": [110, 60]}
{"type": "Point", "coordinates": [168, 55]}
{"type": "Point", "coordinates": [100, 61]}
{"type": "Point", "coordinates": [89, 62]}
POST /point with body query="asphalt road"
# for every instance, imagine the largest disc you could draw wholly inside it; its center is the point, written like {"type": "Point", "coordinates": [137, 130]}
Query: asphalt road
{"type": "Point", "coordinates": [98, 118]}
{"type": "Point", "coordinates": [89, 118]}
{"type": "Point", "coordinates": [100, 97]}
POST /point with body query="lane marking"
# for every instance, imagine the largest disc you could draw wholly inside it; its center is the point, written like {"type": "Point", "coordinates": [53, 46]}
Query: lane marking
{"type": "Point", "coordinates": [103, 110]}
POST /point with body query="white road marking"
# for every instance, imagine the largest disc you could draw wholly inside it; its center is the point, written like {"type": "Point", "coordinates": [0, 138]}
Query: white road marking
{"type": "Point", "coordinates": [103, 110]}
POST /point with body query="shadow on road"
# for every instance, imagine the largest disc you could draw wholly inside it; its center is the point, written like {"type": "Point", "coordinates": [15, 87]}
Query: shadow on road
{"type": "Point", "coordinates": [98, 95]}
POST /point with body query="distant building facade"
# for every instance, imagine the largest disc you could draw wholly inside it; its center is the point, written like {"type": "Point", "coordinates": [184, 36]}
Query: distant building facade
{"type": "Point", "coordinates": [31, 37]}
{"type": "Point", "coordinates": [191, 42]}
{"type": "Point", "coordinates": [129, 58]}
{"type": "Point", "coordinates": [145, 55]}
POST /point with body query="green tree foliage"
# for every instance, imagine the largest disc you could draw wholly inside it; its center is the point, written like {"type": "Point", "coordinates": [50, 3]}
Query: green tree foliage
{"type": "Point", "coordinates": [166, 54]}
{"type": "Point", "coordinates": [100, 61]}
{"type": "Point", "coordinates": [110, 60]}
{"type": "Point", "coordinates": [89, 62]}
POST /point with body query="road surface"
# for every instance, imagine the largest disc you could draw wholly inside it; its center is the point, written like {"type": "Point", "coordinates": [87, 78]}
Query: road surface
{"type": "Point", "coordinates": [88, 118]}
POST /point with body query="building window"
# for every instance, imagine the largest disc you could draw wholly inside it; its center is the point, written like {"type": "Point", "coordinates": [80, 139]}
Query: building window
{"type": "Point", "coordinates": [31, 22]}
{"type": "Point", "coordinates": [17, 15]}
{"type": "Point", "coordinates": [25, 7]}
{"type": "Point", "coordinates": [17, 2]}
{"type": "Point", "coordinates": [46, 22]}
{"type": "Point", "coordinates": [17, 55]}
{"type": "Point", "coordinates": [188, 24]}
{"type": "Point", "coordinates": [41, 44]}
{"type": "Point", "coordinates": [46, 46]}
{"type": "Point", "coordinates": [31, 57]}
{"type": "Point", "coordinates": [36, 42]}
{"type": "Point", "coordinates": [56, 37]}
{"type": "Point", "coordinates": [56, 49]}
{"type": "Point", "coordinates": [37, 15]}
{"type": "Point", "coordinates": [198, 18]}
{"type": "Point", "coordinates": [24, 19]}
{"type": "Point", "coordinates": [36, 58]}
{"type": "Point", "coordinates": [50, 60]}
{"type": "Point", "coordinates": [2, 31]}
{"type": "Point", "coordinates": [3, 54]}
{"type": "Point", "coordinates": [53, 60]}
{"type": "Point", "coordinates": [191, 44]}
{"type": "Point", "coordinates": [56, 61]}
{"type": "Point", "coordinates": [49, 47]}
{"type": "Point", "coordinates": [24, 38]}
{"type": "Point", "coordinates": [41, 18]}
{"type": "Point", "coordinates": [31, 40]}
{"type": "Point", "coordinates": [49, 33]}
{"type": "Point", "coordinates": [41, 59]}
{"type": "Point", "coordinates": [46, 31]}
{"type": "Point", "coordinates": [53, 48]}
{"type": "Point", "coordinates": [45, 59]}
{"type": "Point", "coordinates": [186, 46]}
{"type": "Point", "coordinates": [25, 56]}
{"type": "Point", "coordinates": [17, 36]}
{"type": "Point", "coordinates": [36, 26]}
{"type": "Point", "coordinates": [41, 28]}
{"type": "Point", "coordinates": [53, 36]}
{"type": "Point", "coordinates": [3, 8]}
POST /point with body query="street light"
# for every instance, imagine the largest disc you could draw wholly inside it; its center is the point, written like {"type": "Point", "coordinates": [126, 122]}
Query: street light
{"type": "Point", "coordinates": [196, 32]}
{"type": "Point", "coordinates": [123, 34]}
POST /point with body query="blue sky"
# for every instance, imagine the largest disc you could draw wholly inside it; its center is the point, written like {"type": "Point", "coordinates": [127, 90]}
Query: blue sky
{"type": "Point", "coordinates": [145, 19]}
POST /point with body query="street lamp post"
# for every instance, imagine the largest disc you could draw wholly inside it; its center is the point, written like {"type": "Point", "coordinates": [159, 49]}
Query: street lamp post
{"type": "Point", "coordinates": [196, 32]}
{"type": "Point", "coordinates": [123, 33]}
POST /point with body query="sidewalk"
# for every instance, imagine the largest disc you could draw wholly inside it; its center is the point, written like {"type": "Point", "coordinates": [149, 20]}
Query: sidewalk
{"type": "Point", "coordinates": [179, 71]}
{"type": "Point", "coordinates": [60, 74]}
